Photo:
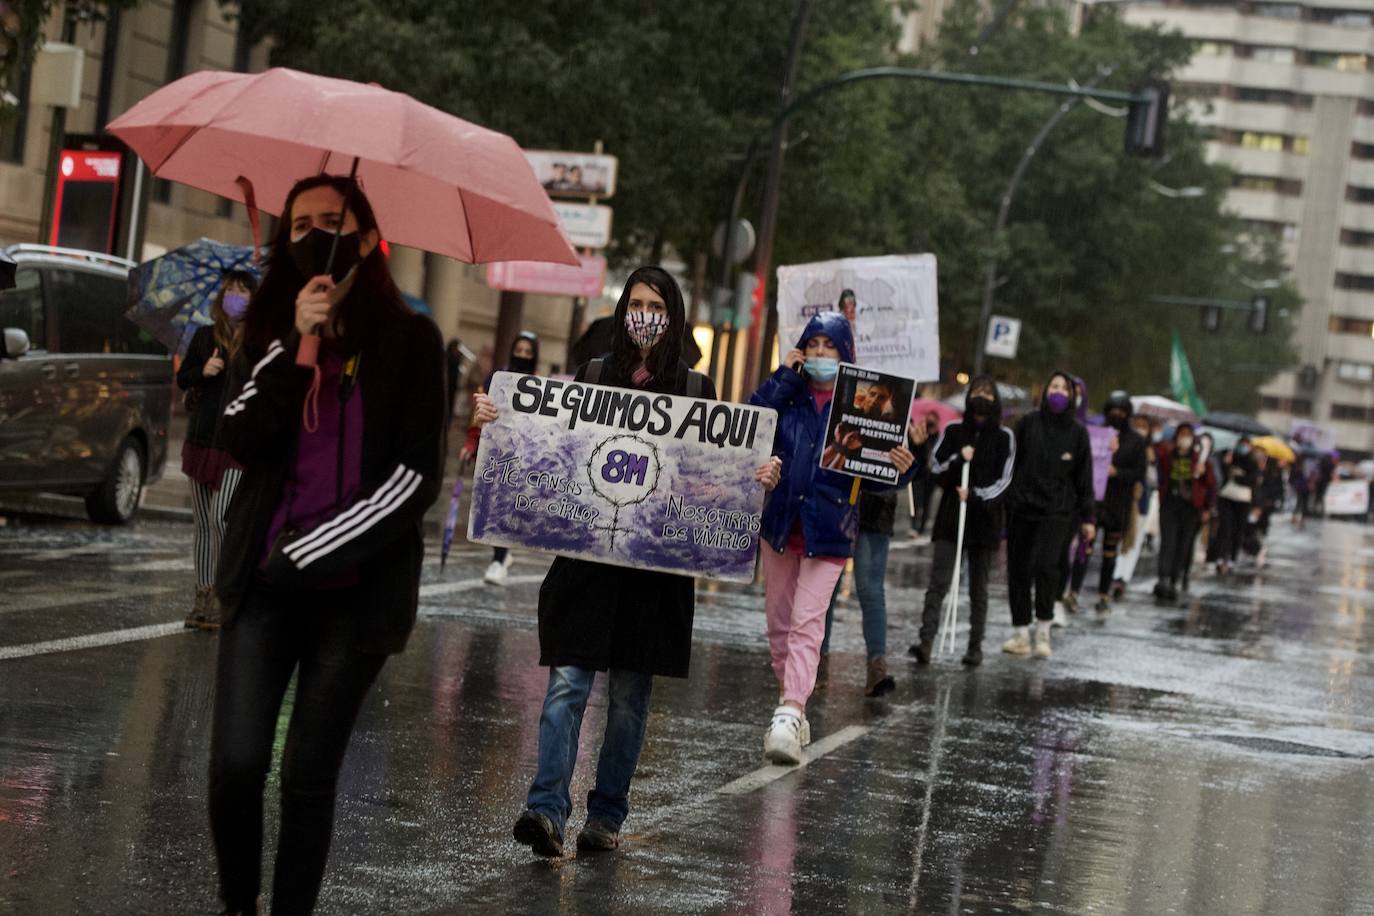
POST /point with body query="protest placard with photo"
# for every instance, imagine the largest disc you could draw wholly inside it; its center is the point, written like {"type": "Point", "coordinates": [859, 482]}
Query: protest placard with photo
{"type": "Point", "coordinates": [868, 418]}
{"type": "Point", "coordinates": [890, 302]}
{"type": "Point", "coordinates": [632, 478]}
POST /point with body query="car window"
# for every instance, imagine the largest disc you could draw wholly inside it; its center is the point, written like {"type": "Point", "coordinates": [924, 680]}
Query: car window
{"type": "Point", "coordinates": [22, 307]}
{"type": "Point", "coordinates": [89, 311]}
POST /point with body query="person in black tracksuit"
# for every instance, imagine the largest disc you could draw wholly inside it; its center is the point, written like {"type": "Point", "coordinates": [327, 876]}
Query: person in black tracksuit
{"type": "Point", "coordinates": [1239, 482]}
{"type": "Point", "coordinates": [1051, 487]}
{"type": "Point", "coordinates": [1129, 463]}
{"type": "Point", "coordinates": [319, 574]}
{"type": "Point", "coordinates": [981, 441]}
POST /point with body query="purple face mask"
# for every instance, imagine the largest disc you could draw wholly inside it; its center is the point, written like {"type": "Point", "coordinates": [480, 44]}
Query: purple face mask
{"type": "Point", "coordinates": [1058, 401]}
{"type": "Point", "coordinates": [235, 305]}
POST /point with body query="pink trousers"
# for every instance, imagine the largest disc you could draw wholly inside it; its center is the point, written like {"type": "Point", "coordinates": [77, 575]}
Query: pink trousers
{"type": "Point", "coordinates": [797, 593]}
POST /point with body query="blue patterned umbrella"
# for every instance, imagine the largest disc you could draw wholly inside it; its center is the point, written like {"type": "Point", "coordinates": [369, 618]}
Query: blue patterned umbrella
{"type": "Point", "coordinates": [170, 296]}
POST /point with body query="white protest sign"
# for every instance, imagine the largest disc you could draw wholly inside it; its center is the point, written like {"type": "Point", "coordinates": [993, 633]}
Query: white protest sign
{"type": "Point", "coordinates": [894, 314]}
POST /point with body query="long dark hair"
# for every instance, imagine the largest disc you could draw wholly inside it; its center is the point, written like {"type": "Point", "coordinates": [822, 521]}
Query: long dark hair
{"type": "Point", "coordinates": [229, 336]}
{"type": "Point", "coordinates": [667, 353]}
{"type": "Point", "coordinates": [372, 303]}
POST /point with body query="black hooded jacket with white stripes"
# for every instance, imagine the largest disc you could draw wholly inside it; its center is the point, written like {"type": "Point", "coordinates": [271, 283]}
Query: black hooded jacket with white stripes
{"type": "Point", "coordinates": [401, 379]}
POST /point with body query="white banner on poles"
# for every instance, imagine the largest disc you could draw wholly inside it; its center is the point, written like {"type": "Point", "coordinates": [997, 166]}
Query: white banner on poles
{"type": "Point", "coordinates": [894, 313]}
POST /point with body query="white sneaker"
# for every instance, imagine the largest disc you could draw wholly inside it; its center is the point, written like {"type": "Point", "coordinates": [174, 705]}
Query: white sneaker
{"type": "Point", "coordinates": [1042, 642]}
{"type": "Point", "coordinates": [1019, 644]}
{"type": "Point", "coordinates": [1061, 619]}
{"type": "Point", "coordinates": [496, 573]}
{"type": "Point", "coordinates": [786, 735]}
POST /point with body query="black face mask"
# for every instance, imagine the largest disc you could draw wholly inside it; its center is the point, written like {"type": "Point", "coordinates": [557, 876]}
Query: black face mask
{"type": "Point", "coordinates": [980, 407]}
{"type": "Point", "coordinates": [522, 364]}
{"type": "Point", "coordinates": [1117, 421]}
{"type": "Point", "coordinates": [310, 253]}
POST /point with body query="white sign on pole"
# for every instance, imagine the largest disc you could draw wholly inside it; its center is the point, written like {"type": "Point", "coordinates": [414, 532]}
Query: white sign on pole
{"type": "Point", "coordinates": [1004, 334]}
{"type": "Point", "coordinates": [569, 174]}
{"type": "Point", "coordinates": [1347, 497]}
{"type": "Point", "coordinates": [587, 225]}
{"type": "Point", "coordinates": [894, 311]}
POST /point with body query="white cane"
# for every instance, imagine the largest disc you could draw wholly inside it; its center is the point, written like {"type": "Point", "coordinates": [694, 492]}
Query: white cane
{"type": "Point", "coordinates": [952, 599]}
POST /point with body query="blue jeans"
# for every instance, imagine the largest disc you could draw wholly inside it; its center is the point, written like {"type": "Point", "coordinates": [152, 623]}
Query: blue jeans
{"type": "Point", "coordinates": [560, 726]}
{"type": "Point", "coordinates": [870, 575]}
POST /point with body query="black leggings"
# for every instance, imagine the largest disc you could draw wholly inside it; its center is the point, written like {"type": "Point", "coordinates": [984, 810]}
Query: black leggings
{"type": "Point", "coordinates": [1035, 552]}
{"type": "Point", "coordinates": [310, 634]}
{"type": "Point", "coordinates": [1178, 527]}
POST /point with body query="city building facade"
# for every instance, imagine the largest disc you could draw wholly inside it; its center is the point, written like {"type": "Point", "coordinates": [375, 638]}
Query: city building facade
{"type": "Point", "coordinates": [133, 53]}
{"type": "Point", "coordinates": [1288, 92]}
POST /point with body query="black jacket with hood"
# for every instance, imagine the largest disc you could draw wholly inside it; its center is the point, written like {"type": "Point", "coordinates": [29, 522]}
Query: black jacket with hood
{"type": "Point", "coordinates": [1131, 460]}
{"type": "Point", "coordinates": [401, 381]}
{"type": "Point", "coordinates": [597, 616]}
{"type": "Point", "coordinates": [1054, 464]}
{"type": "Point", "coordinates": [990, 474]}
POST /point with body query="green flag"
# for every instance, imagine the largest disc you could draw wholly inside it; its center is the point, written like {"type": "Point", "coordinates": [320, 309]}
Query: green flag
{"type": "Point", "coordinates": [1181, 379]}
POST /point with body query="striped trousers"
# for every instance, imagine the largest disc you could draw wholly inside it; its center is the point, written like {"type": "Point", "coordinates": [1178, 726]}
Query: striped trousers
{"type": "Point", "coordinates": [210, 507]}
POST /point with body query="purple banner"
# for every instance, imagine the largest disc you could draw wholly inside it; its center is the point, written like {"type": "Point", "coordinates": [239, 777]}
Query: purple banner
{"type": "Point", "coordinates": [1102, 439]}
{"type": "Point", "coordinates": [630, 478]}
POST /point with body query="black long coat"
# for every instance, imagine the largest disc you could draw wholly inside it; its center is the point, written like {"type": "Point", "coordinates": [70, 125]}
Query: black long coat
{"type": "Point", "coordinates": [597, 616]}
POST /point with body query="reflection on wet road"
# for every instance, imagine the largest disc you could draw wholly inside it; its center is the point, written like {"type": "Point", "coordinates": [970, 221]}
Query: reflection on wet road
{"type": "Point", "coordinates": [1213, 757]}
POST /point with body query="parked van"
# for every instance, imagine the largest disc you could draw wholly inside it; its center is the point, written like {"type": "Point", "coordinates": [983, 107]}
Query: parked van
{"type": "Point", "coordinates": [85, 394]}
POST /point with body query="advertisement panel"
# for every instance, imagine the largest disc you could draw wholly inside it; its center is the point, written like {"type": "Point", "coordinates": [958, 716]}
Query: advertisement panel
{"type": "Point", "coordinates": [569, 174]}
{"type": "Point", "coordinates": [585, 281]}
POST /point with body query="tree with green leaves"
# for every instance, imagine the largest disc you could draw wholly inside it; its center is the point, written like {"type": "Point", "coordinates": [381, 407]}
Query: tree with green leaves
{"type": "Point", "coordinates": [677, 92]}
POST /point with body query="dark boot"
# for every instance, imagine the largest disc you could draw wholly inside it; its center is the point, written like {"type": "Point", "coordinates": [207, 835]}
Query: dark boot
{"type": "Point", "coordinates": [536, 831]}
{"type": "Point", "coordinates": [879, 681]}
{"type": "Point", "coordinates": [921, 651]}
{"type": "Point", "coordinates": [598, 836]}
{"type": "Point", "coordinates": [974, 656]}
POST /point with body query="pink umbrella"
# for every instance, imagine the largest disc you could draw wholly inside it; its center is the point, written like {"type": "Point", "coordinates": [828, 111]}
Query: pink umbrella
{"type": "Point", "coordinates": [437, 182]}
{"type": "Point", "coordinates": [944, 413]}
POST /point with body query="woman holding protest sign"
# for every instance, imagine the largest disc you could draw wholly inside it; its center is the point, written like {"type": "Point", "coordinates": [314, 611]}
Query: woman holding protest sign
{"type": "Point", "coordinates": [632, 623]}
{"type": "Point", "coordinates": [524, 358]}
{"type": "Point", "coordinates": [320, 571]}
{"type": "Point", "coordinates": [809, 522]}
{"type": "Point", "coordinates": [1052, 487]}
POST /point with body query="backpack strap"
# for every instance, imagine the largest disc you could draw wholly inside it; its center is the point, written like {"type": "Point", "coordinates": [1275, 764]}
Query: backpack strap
{"type": "Point", "coordinates": [695, 384]}
{"type": "Point", "coordinates": [594, 371]}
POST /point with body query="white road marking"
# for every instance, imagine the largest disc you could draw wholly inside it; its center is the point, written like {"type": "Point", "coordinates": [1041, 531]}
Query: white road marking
{"type": "Point", "coordinates": [815, 751]}
{"type": "Point", "coordinates": [466, 585]}
{"type": "Point", "coordinates": [92, 640]}
{"type": "Point", "coordinates": [12, 604]}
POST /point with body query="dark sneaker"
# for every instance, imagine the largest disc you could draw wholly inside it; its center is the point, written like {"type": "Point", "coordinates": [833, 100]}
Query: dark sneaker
{"type": "Point", "coordinates": [536, 831]}
{"type": "Point", "coordinates": [922, 652]}
{"type": "Point", "coordinates": [597, 836]}
{"type": "Point", "coordinates": [974, 656]}
{"type": "Point", "coordinates": [1103, 606]}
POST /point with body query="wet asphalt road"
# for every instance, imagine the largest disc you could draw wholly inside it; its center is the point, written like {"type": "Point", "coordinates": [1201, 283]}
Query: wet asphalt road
{"type": "Point", "coordinates": [1213, 757]}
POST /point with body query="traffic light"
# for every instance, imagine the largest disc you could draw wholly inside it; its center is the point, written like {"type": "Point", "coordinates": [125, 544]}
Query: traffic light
{"type": "Point", "coordinates": [1259, 314]}
{"type": "Point", "coordinates": [1145, 120]}
{"type": "Point", "coordinates": [1211, 319]}
{"type": "Point", "coordinates": [746, 290]}
{"type": "Point", "coordinates": [1307, 377]}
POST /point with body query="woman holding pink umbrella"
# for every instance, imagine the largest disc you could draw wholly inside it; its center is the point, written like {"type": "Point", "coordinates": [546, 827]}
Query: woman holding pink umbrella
{"type": "Point", "coordinates": [320, 571]}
